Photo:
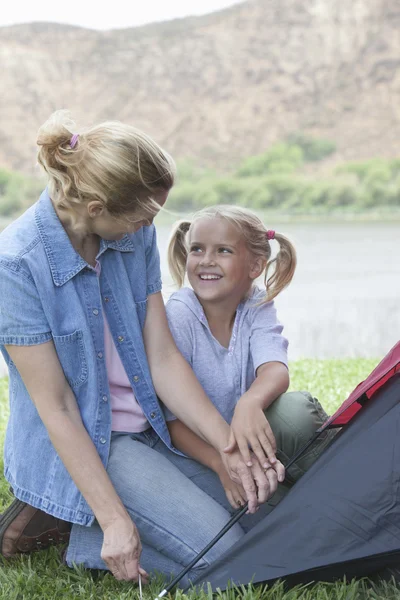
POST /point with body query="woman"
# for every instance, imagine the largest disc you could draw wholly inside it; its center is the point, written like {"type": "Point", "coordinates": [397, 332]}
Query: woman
{"type": "Point", "coordinates": [84, 333]}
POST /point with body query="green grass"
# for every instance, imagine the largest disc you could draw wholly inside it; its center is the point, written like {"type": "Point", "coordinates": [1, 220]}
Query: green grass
{"type": "Point", "coordinates": [42, 577]}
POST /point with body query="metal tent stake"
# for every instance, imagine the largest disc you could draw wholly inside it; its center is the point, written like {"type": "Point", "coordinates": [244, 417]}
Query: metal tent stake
{"type": "Point", "coordinates": [234, 519]}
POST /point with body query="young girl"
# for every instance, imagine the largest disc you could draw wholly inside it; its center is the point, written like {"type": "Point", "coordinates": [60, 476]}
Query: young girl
{"type": "Point", "coordinates": [227, 329]}
{"type": "Point", "coordinates": [85, 336]}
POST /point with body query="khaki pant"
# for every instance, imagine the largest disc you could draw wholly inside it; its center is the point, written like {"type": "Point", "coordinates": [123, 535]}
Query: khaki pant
{"type": "Point", "coordinates": [294, 418]}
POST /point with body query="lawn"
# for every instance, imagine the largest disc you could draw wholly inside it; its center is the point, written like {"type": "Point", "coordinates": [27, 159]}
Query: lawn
{"type": "Point", "coordinates": [43, 577]}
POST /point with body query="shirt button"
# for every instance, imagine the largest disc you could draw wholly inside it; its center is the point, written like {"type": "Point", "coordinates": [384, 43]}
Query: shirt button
{"type": "Point", "coordinates": [153, 415]}
{"type": "Point", "coordinates": [99, 355]}
{"type": "Point", "coordinates": [120, 338]}
{"type": "Point", "coordinates": [105, 399]}
{"type": "Point", "coordinates": [103, 440]}
{"type": "Point", "coordinates": [106, 299]}
{"type": "Point", "coordinates": [136, 378]}
{"type": "Point", "coordinates": [95, 312]}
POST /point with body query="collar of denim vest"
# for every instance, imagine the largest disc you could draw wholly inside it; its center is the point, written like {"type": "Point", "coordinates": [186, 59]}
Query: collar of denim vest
{"type": "Point", "coordinates": [64, 260]}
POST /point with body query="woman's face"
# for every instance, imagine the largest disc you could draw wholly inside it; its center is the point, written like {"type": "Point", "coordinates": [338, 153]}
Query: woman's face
{"type": "Point", "coordinates": [109, 227]}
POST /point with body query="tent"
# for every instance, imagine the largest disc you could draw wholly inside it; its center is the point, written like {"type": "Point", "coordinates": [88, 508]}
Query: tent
{"type": "Point", "coordinates": [343, 516]}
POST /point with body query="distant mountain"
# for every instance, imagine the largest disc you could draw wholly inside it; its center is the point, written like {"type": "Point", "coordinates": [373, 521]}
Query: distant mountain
{"type": "Point", "coordinates": [215, 88]}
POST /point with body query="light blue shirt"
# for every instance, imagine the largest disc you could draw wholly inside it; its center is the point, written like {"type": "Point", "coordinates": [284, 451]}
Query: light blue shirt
{"type": "Point", "coordinates": [226, 373]}
{"type": "Point", "coordinates": [48, 292]}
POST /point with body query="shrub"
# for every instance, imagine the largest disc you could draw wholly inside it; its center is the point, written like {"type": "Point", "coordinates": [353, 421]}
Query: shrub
{"type": "Point", "coordinates": [314, 149]}
{"type": "Point", "coordinates": [280, 158]}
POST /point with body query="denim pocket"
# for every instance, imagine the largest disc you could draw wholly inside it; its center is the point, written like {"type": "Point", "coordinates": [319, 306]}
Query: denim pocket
{"type": "Point", "coordinates": [71, 353]}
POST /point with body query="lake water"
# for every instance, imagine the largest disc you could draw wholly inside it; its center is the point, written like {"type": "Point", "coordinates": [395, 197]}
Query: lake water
{"type": "Point", "coordinates": [345, 298]}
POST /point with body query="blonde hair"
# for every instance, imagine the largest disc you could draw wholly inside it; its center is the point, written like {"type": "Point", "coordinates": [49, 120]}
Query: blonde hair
{"type": "Point", "coordinates": [255, 236]}
{"type": "Point", "coordinates": [113, 163]}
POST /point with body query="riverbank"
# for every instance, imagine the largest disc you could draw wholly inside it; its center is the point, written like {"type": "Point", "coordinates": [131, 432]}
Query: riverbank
{"type": "Point", "coordinates": [167, 217]}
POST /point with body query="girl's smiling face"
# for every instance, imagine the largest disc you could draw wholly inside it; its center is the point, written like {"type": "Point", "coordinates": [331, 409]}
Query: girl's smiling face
{"type": "Point", "coordinates": [219, 265]}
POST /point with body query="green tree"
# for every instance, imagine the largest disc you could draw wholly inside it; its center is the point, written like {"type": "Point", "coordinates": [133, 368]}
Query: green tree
{"type": "Point", "coordinates": [280, 158]}
{"type": "Point", "coordinates": [314, 149]}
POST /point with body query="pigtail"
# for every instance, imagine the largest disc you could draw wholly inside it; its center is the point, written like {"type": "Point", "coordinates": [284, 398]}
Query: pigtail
{"type": "Point", "coordinates": [177, 252]}
{"type": "Point", "coordinates": [285, 265]}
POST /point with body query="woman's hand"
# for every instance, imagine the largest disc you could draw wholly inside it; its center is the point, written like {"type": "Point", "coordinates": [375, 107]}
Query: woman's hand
{"type": "Point", "coordinates": [121, 550]}
{"type": "Point", "coordinates": [250, 430]}
{"type": "Point", "coordinates": [259, 484]}
{"type": "Point", "coordinates": [234, 491]}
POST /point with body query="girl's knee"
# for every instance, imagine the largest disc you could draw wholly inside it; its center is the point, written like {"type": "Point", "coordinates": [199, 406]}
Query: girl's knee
{"type": "Point", "coordinates": [296, 413]}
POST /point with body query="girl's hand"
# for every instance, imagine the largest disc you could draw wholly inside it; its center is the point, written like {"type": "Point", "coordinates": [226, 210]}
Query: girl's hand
{"type": "Point", "coordinates": [250, 430]}
{"type": "Point", "coordinates": [121, 550]}
{"type": "Point", "coordinates": [234, 491]}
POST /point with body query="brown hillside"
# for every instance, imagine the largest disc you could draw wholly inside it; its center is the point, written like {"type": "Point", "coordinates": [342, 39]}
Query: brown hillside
{"type": "Point", "coordinates": [218, 87]}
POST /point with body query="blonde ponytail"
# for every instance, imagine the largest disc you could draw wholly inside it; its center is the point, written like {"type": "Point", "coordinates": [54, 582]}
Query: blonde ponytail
{"type": "Point", "coordinates": [285, 265]}
{"type": "Point", "coordinates": [177, 252]}
{"type": "Point", "coordinates": [113, 163]}
{"type": "Point", "coordinates": [55, 154]}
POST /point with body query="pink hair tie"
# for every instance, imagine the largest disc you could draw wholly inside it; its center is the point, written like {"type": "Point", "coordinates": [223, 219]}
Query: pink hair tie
{"type": "Point", "coordinates": [270, 234]}
{"type": "Point", "coordinates": [73, 140]}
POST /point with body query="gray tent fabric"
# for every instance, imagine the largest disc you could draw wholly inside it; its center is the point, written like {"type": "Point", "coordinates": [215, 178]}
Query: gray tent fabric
{"type": "Point", "coordinates": [341, 518]}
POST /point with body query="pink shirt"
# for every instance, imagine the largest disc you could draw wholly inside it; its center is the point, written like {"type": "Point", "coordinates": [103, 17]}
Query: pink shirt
{"type": "Point", "coordinates": [126, 413]}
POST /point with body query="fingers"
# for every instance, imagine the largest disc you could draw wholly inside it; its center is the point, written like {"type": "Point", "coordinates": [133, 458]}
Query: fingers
{"type": "Point", "coordinates": [121, 550]}
{"type": "Point", "coordinates": [231, 499]}
{"type": "Point", "coordinates": [236, 498]}
{"type": "Point", "coordinates": [127, 570]}
{"type": "Point", "coordinates": [265, 443]}
{"type": "Point", "coordinates": [244, 449]}
{"type": "Point", "coordinates": [124, 565]}
{"type": "Point", "coordinates": [123, 571]}
{"type": "Point", "coordinates": [249, 487]}
{"type": "Point", "coordinates": [144, 575]}
{"type": "Point", "coordinates": [280, 471]}
{"type": "Point", "coordinates": [241, 496]}
{"type": "Point", "coordinates": [262, 481]}
{"type": "Point", "coordinates": [272, 477]}
{"type": "Point", "coordinates": [270, 435]}
{"type": "Point", "coordinates": [260, 440]}
{"type": "Point", "coordinates": [263, 450]}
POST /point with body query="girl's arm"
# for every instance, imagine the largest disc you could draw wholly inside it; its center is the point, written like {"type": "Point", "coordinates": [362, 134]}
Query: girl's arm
{"type": "Point", "coordinates": [44, 379]}
{"type": "Point", "coordinates": [178, 388]}
{"type": "Point", "coordinates": [190, 444]}
{"type": "Point", "coordinates": [249, 425]}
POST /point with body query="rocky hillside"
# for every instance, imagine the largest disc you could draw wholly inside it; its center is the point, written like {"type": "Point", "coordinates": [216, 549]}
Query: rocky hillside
{"type": "Point", "coordinates": [219, 87]}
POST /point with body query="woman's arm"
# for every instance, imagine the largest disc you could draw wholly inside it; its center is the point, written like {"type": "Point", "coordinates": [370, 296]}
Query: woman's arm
{"type": "Point", "coordinates": [44, 379]}
{"type": "Point", "coordinates": [175, 382]}
{"type": "Point", "coordinates": [177, 387]}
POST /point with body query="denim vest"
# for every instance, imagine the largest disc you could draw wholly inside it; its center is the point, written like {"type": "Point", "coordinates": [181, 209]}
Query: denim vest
{"type": "Point", "coordinates": [48, 292]}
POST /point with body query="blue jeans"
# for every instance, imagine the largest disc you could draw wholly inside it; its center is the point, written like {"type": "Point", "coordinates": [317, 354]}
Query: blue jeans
{"type": "Point", "coordinates": [179, 505]}
{"type": "Point", "coordinates": [175, 518]}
